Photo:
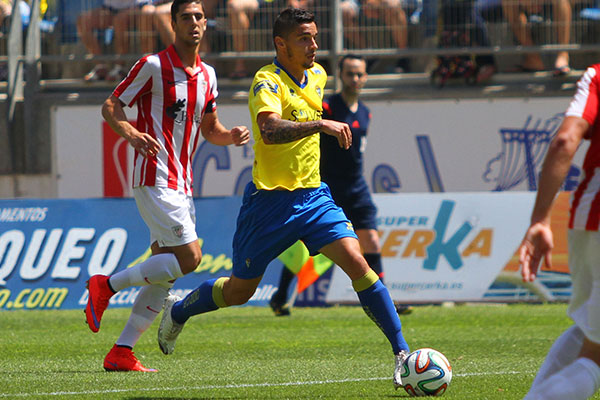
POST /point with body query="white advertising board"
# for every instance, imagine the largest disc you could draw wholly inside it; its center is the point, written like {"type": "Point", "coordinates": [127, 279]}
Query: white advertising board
{"type": "Point", "coordinates": [413, 146]}
{"type": "Point", "coordinates": [443, 246]}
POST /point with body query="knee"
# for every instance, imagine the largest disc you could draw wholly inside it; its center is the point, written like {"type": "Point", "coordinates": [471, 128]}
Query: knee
{"type": "Point", "coordinates": [162, 19]}
{"type": "Point", "coordinates": [83, 25]}
{"type": "Point", "coordinates": [233, 7]}
{"type": "Point", "coordinates": [237, 296]}
{"type": "Point", "coordinates": [190, 262]}
{"type": "Point", "coordinates": [148, 10]}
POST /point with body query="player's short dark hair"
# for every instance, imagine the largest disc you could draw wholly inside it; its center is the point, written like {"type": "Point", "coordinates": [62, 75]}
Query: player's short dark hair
{"type": "Point", "coordinates": [289, 19]}
{"type": "Point", "coordinates": [177, 3]}
{"type": "Point", "coordinates": [349, 57]}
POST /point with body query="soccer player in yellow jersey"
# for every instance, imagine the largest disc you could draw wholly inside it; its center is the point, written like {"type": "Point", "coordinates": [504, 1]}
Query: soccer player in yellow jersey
{"type": "Point", "coordinates": [286, 200]}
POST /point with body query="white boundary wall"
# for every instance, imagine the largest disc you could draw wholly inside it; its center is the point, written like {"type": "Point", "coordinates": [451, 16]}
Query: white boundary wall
{"type": "Point", "coordinates": [413, 146]}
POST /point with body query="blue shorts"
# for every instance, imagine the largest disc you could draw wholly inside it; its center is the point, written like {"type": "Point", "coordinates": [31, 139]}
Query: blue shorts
{"type": "Point", "coordinates": [355, 200]}
{"type": "Point", "coordinates": [270, 221]}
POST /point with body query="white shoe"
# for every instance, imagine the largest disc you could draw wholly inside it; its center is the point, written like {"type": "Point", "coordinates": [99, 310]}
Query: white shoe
{"type": "Point", "coordinates": [400, 357]}
{"type": "Point", "coordinates": [118, 73]}
{"type": "Point", "coordinates": [168, 329]}
{"type": "Point", "coordinates": [98, 73]}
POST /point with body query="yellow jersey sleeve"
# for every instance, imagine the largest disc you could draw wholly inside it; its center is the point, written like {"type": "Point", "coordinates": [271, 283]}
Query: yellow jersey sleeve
{"type": "Point", "coordinates": [291, 165]}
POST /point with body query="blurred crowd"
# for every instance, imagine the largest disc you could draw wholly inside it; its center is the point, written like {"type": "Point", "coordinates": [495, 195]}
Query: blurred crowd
{"type": "Point", "coordinates": [122, 27]}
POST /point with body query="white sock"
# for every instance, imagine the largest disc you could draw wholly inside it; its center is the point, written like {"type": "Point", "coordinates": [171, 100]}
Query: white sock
{"type": "Point", "coordinates": [156, 269]}
{"type": "Point", "coordinates": [562, 353]}
{"type": "Point", "coordinates": [147, 306]}
{"type": "Point", "coordinates": [577, 381]}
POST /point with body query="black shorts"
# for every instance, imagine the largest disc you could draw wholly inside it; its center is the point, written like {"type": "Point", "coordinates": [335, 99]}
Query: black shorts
{"type": "Point", "coordinates": [355, 199]}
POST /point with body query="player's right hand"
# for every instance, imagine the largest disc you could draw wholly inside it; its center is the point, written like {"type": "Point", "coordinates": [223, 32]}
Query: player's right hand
{"type": "Point", "coordinates": [340, 130]}
{"type": "Point", "coordinates": [537, 244]}
{"type": "Point", "coordinates": [145, 144]}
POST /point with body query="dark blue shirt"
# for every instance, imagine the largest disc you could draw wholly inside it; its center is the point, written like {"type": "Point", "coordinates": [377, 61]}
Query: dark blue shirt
{"type": "Point", "coordinates": [338, 166]}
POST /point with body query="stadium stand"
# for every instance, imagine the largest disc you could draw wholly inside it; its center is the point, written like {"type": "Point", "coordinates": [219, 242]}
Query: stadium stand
{"type": "Point", "coordinates": [51, 57]}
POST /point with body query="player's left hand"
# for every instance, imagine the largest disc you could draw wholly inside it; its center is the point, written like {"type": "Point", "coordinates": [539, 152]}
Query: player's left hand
{"type": "Point", "coordinates": [240, 135]}
{"type": "Point", "coordinates": [340, 130]}
{"type": "Point", "coordinates": [537, 244]}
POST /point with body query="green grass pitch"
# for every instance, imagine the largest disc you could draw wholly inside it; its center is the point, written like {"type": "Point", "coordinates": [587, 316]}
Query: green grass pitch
{"type": "Point", "coordinates": [247, 353]}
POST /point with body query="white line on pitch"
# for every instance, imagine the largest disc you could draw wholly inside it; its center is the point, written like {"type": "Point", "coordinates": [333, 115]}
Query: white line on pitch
{"type": "Point", "coordinates": [244, 385]}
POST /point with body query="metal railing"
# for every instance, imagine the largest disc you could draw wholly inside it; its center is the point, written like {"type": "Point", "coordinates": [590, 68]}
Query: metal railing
{"type": "Point", "coordinates": [411, 29]}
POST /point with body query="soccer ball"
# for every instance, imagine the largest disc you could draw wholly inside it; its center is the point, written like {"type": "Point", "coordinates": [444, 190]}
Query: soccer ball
{"type": "Point", "coordinates": [426, 372]}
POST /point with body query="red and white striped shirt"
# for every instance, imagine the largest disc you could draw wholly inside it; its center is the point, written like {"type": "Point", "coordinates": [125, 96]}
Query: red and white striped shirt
{"type": "Point", "coordinates": [171, 103]}
{"type": "Point", "coordinates": [585, 203]}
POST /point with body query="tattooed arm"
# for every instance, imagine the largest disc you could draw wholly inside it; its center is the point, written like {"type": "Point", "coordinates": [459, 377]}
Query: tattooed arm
{"type": "Point", "coordinates": [275, 130]}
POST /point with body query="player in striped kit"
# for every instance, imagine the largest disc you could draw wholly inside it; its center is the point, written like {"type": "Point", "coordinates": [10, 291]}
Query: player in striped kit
{"type": "Point", "coordinates": [571, 368]}
{"type": "Point", "coordinates": [175, 95]}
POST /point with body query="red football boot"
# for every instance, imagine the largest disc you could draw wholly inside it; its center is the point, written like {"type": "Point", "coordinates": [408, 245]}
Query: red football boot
{"type": "Point", "coordinates": [123, 359]}
{"type": "Point", "coordinates": [98, 297]}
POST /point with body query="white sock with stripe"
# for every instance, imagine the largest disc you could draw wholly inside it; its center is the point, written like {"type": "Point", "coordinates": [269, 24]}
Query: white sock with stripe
{"type": "Point", "coordinates": [562, 353]}
{"type": "Point", "coordinates": [147, 306]}
{"type": "Point", "coordinates": [156, 269]}
{"type": "Point", "coordinates": [577, 381]}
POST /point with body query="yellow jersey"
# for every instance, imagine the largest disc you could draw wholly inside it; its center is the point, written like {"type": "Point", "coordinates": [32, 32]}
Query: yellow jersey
{"type": "Point", "coordinates": [293, 165]}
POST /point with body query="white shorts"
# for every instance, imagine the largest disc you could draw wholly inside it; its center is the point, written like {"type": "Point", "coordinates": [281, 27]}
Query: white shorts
{"type": "Point", "coordinates": [169, 214]}
{"type": "Point", "coordinates": [584, 264]}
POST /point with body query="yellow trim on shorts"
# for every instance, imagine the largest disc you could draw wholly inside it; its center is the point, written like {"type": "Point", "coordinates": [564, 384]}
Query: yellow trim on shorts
{"type": "Point", "coordinates": [365, 281]}
{"type": "Point", "coordinates": [217, 292]}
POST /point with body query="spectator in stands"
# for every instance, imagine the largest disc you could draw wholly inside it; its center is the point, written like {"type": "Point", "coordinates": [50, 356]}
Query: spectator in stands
{"type": "Point", "coordinates": [120, 15]}
{"type": "Point", "coordinates": [461, 26]}
{"type": "Point", "coordinates": [389, 12]}
{"type": "Point", "coordinates": [5, 11]}
{"type": "Point", "coordinates": [517, 12]}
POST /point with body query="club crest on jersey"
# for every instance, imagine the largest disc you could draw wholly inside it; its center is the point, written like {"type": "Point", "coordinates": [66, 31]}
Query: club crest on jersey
{"type": "Point", "coordinates": [273, 87]}
{"type": "Point", "coordinates": [174, 109]}
{"type": "Point", "coordinates": [178, 113]}
{"type": "Point", "coordinates": [177, 230]}
{"type": "Point", "coordinates": [318, 90]}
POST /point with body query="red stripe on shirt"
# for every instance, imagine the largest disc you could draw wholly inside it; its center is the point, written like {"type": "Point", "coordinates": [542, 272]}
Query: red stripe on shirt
{"type": "Point", "coordinates": [590, 112]}
{"type": "Point", "coordinates": [130, 77]}
{"type": "Point", "coordinates": [208, 96]}
{"type": "Point", "coordinates": [577, 197]}
{"type": "Point", "coordinates": [208, 99]}
{"type": "Point", "coordinates": [192, 88]}
{"type": "Point", "coordinates": [169, 99]}
{"type": "Point", "coordinates": [593, 217]}
{"type": "Point", "coordinates": [150, 164]}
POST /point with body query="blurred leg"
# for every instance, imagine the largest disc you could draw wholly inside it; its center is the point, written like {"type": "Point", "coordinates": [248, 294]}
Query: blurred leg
{"type": "Point", "coordinates": [350, 21]}
{"type": "Point", "coordinates": [562, 17]}
{"type": "Point", "coordinates": [145, 25]}
{"type": "Point", "coordinates": [518, 23]}
{"type": "Point", "coordinates": [87, 24]}
{"type": "Point", "coordinates": [240, 12]}
{"type": "Point", "coordinates": [162, 22]}
{"type": "Point", "coordinates": [121, 23]}
{"type": "Point", "coordinates": [394, 17]}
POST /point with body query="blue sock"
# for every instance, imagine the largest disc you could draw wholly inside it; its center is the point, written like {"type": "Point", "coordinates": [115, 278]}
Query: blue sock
{"type": "Point", "coordinates": [378, 305]}
{"type": "Point", "coordinates": [198, 301]}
